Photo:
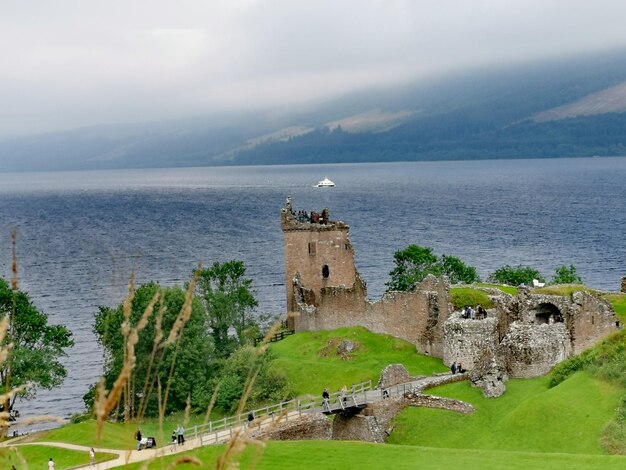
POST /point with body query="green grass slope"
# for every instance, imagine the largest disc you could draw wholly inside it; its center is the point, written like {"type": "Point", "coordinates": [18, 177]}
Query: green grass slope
{"type": "Point", "coordinates": [37, 456]}
{"type": "Point", "coordinates": [342, 455]}
{"type": "Point", "coordinates": [529, 417]}
{"type": "Point", "coordinates": [311, 360]}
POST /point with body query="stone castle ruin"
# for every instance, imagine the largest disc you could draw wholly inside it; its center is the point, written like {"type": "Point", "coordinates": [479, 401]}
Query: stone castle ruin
{"type": "Point", "coordinates": [522, 336]}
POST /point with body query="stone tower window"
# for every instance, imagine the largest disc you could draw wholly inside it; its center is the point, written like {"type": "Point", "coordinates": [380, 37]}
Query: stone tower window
{"type": "Point", "coordinates": [312, 248]}
{"type": "Point", "coordinates": [325, 272]}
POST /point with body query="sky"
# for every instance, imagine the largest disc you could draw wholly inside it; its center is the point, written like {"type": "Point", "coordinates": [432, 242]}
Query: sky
{"type": "Point", "coordinates": [68, 64]}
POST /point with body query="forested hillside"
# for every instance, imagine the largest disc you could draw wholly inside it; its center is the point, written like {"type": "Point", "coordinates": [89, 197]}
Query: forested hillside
{"type": "Point", "coordinates": [559, 108]}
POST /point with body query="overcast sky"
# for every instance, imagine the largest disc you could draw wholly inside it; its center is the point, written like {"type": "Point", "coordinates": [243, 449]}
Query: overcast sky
{"type": "Point", "coordinates": [66, 64]}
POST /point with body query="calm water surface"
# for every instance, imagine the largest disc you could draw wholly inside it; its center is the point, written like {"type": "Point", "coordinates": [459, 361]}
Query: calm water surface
{"type": "Point", "coordinates": [80, 233]}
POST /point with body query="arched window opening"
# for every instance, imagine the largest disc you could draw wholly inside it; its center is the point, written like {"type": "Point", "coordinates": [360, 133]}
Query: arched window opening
{"type": "Point", "coordinates": [325, 272]}
{"type": "Point", "coordinates": [548, 314]}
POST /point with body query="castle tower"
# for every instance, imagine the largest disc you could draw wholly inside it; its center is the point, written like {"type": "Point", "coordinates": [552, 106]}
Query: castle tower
{"type": "Point", "coordinates": [318, 254]}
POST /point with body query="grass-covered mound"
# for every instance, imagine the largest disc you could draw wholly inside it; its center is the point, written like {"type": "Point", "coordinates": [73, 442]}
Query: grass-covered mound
{"type": "Point", "coordinates": [529, 417]}
{"type": "Point", "coordinates": [312, 361]}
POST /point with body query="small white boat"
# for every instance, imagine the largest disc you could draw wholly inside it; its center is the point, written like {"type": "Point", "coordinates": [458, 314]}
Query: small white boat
{"type": "Point", "coordinates": [325, 183]}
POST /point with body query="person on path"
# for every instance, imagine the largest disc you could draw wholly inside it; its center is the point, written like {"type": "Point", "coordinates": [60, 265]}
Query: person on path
{"type": "Point", "coordinates": [325, 396]}
{"type": "Point", "coordinates": [453, 368]}
{"type": "Point", "coordinates": [138, 437]}
{"type": "Point", "coordinates": [180, 431]}
{"type": "Point", "coordinates": [50, 464]}
{"type": "Point", "coordinates": [92, 457]}
{"type": "Point", "coordinates": [174, 440]}
{"type": "Point", "coordinates": [250, 418]}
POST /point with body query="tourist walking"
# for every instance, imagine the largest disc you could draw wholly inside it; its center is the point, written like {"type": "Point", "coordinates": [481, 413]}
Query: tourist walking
{"type": "Point", "coordinates": [50, 464]}
{"type": "Point", "coordinates": [180, 431]}
{"type": "Point", "coordinates": [92, 457]}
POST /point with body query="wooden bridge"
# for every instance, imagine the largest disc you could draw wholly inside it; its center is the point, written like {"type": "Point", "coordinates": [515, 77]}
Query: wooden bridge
{"type": "Point", "coordinates": [349, 401]}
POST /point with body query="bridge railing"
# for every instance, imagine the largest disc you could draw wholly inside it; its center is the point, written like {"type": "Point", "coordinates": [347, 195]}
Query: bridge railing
{"type": "Point", "coordinates": [223, 429]}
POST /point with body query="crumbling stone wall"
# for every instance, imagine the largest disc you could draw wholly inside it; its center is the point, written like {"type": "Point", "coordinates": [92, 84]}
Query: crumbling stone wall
{"type": "Point", "coordinates": [532, 350]}
{"type": "Point", "coordinates": [417, 317]}
{"type": "Point", "coordinates": [357, 428]}
{"type": "Point", "coordinates": [307, 427]}
{"type": "Point", "coordinates": [466, 339]}
{"type": "Point", "coordinates": [592, 318]}
{"type": "Point", "coordinates": [393, 374]}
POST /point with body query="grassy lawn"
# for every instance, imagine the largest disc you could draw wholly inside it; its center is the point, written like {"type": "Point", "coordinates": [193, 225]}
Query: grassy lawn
{"type": "Point", "coordinates": [529, 417]}
{"type": "Point", "coordinates": [35, 456]}
{"type": "Point", "coordinates": [504, 288]}
{"type": "Point", "coordinates": [338, 455]}
{"type": "Point", "coordinates": [118, 435]}
{"type": "Point", "coordinates": [311, 361]}
{"type": "Point", "coordinates": [565, 290]}
{"type": "Point", "coordinates": [468, 296]}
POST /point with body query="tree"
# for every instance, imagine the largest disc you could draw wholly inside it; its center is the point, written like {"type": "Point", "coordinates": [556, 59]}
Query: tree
{"type": "Point", "coordinates": [235, 373]}
{"type": "Point", "coordinates": [181, 366]}
{"type": "Point", "coordinates": [227, 299]}
{"type": "Point", "coordinates": [566, 275]}
{"type": "Point", "coordinates": [415, 262]}
{"type": "Point", "coordinates": [458, 272]}
{"type": "Point", "coordinates": [37, 346]}
{"type": "Point", "coordinates": [515, 276]}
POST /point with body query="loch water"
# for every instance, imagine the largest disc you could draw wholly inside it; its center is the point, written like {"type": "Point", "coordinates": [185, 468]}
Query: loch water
{"type": "Point", "coordinates": [81, 233]}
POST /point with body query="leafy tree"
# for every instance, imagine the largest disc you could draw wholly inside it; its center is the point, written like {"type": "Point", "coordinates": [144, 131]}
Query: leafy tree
{"type": "Point", "coordinates": [270, 385]}
{"type": "Point", "coordinates": [182, 366]}
{"type": "Point", "coordinates": [226, 296]}
{"type": "Point", "coordinates": [514, 276]}
{"type": "Point", "coordinates": [566, 275]}
{"type": "Point", "coordinates": [457, 271]}
{"type": "Point", "coordinates": [37, 346]}
{"type": "Point", "coordinates": [415, 262]}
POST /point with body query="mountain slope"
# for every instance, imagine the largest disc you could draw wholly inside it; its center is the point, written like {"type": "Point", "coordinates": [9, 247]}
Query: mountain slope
{"type": "Point", "coordinates": [570, 107]}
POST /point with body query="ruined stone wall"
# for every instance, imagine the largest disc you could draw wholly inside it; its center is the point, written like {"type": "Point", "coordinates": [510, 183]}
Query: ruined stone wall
{"type": "Point", "coordinates": [592, 319]}
{"type": "Point", "coordinates": [416, 316]}
{"type": "Point", "coordinates": [357, 428]}
{"type": "Point", "coordinates": [306, 427]}
{"type": "Point", "coordinates": [532, 350]}
{"type": "Point", "coordinates": [466, 339]}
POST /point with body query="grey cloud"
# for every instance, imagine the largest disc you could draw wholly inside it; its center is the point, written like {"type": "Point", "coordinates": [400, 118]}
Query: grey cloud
{"type": "Point", "coordinates": [74, 63]}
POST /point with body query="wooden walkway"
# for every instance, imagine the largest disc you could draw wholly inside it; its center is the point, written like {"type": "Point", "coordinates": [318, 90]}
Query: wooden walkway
{"type": "Point", "coordinates": [349, 401]}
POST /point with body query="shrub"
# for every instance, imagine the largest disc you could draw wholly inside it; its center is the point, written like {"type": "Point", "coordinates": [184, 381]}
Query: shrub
{"type": "Point", "coordinates": [515, 276]}
{"type": "Point", "coordinates": [566, 275]}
